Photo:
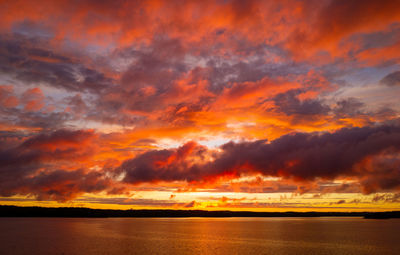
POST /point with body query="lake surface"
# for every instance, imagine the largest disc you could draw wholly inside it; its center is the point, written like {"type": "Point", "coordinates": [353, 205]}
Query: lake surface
{"type": "Point", "coordinates": [199, 236]}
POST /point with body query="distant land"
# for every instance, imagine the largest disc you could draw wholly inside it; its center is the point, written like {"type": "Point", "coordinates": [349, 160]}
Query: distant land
{"type": "Point", "coordinates": [80, 212]}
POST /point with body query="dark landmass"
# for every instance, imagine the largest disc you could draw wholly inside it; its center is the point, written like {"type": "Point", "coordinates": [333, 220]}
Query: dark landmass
{"type": "Point", "coordinates": [382, 215]}
{"type": "Point", "coordinates": [79, 212]}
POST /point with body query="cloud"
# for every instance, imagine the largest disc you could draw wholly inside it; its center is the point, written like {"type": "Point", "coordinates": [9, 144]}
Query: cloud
{"type": "Point", "coordinates": [391, 198]}
{"type": "Point", "coordinates": [384, 173]}
{"type": "Point", "coordinates": [290, 104]}
{"type": "Point", "coordinates": [48, 166]}
{"type": "Point", "coordinates": [300, 26]}
{"type": "Point", "coordinates": [129, 201]}
{"type": "Point", "coordinates": [349, 107]}
{"type": "Point", "coordinates": [62, 185]}
{"type": "Point", "coordinates": [30, 110]}
{"type": "Point", "coordinates": [33, 99]}
{"type": "Point", "coordinates": [163, 165]}
{"type": "Point", "coordinates": [25, 60]}
{"type": "Point", "coordinates": [392, 79]}
{"type": "Point", "coordinates": [301, 156]}
{"type": "Point", "coordinates": [327, 25]}
{"type": "Point", "coordinates": [190, 204]}
{"type": "Point", "coordinates": [7, 97]}
{"type": "Point", "coordinates": [342, 201]}
{"type": "Point", "coordinates": [174, 75]}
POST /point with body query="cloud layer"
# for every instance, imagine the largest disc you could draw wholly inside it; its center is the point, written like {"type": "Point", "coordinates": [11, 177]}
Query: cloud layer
{"type": "Point", "coordinates": [117, 97]}
{"type": "Point", "coordinates": [349, 152]}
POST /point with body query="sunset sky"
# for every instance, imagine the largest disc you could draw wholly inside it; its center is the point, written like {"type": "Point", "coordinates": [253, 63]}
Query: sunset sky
{"type": "Point", "coordinates": [233, 105]}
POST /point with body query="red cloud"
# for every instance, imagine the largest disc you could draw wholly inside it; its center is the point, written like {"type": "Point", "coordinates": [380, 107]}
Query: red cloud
{"type": "Point", "coordinates": [7, 97]}
{"type": "Point", "coordinates": [52, 166]}
{"type": "Point", "coordinates": [297, 156]}
{"type": "Point", "coordinates": [33, 99]}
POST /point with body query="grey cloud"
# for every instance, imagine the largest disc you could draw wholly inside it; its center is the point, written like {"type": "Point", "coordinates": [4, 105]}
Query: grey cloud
{"type": "Point", "coordinates": [349, 107]}
{"type": "Point", "coordinates": [392, 79]}
{"type": "Point", "coordinates": [20, 165]}
{"type": "Point", "coordinates": [289, 104]}
{"type": "Point", "coordinates": [44, 120]}
{"type": "Point", "coordinates": [26, 61]}
{"type": "Point", "coordinates": [301, 156]}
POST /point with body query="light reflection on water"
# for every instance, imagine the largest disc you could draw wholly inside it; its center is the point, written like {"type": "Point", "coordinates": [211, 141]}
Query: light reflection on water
{"type": "Point", "coordinates": [199, 236]}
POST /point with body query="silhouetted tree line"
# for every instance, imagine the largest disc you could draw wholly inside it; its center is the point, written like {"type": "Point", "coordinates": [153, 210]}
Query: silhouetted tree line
{"type": "Point", "coordinates": [16, 211]}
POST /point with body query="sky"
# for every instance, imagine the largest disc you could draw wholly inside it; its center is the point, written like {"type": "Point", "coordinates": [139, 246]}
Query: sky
{"type": "Point", "coordinates": [213, 104]}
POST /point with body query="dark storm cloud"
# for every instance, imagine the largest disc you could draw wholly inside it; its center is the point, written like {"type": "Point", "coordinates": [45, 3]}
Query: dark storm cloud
{"type": "Point", "coordinates": [392, 79]}
{"type": "Point", "coordinates": [162, 165]}
{"type": "Point", "coordinates": [385, 173]}
{"type": "Point", "coordinates": [65, 185]}
{"type": "Point", "coordinates": [307, 156]}
{"type": "Point", "coordinates": [29, 155]}
{"type": "Point", "coordinates": [302, 156]}
{"type": "Point", "coordinates": [31, 168]}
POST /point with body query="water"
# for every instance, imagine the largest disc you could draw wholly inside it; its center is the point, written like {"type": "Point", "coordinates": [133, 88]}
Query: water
{"type": "Point", "coordinates": [199, 236]}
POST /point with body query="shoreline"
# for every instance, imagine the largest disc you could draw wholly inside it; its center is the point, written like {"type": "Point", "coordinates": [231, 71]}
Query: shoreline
{"type": "Point", "coordinates": [81, 212]}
